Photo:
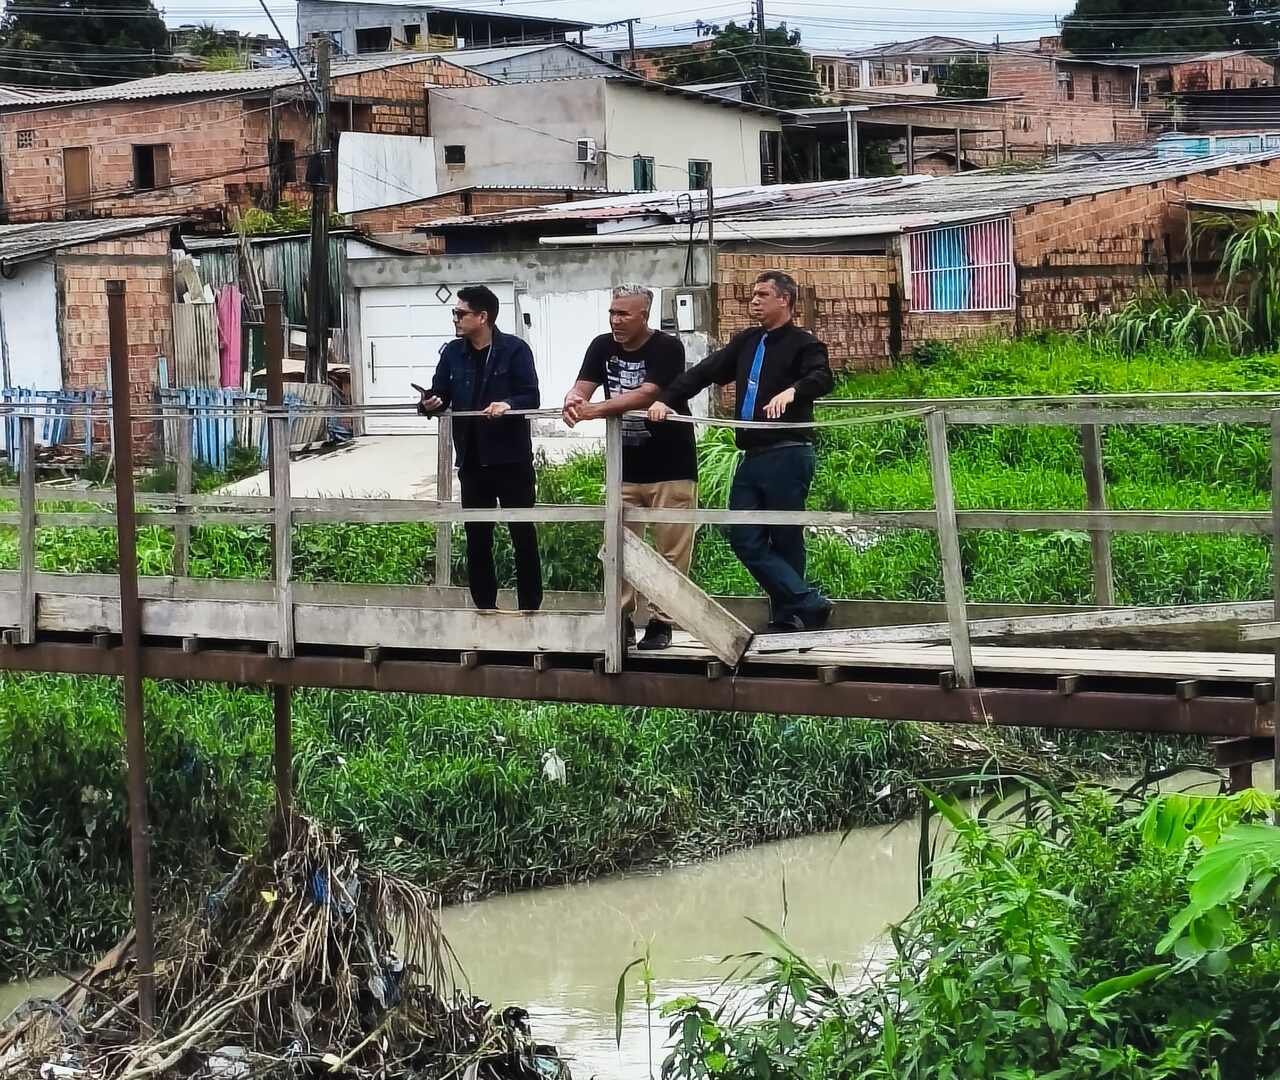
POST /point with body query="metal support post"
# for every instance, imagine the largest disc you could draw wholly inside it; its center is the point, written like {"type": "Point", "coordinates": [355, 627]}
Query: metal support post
{"type": "Point", "coordinates": [278, 444]}
{"type": "Point", "coordinates": [1095, 486]}
{"type": "Point", "coordinates": [949, 547]}
{"type": "Point", "coordinates": [1275, 578]}
{"type": "Point", "coordinates": [611, 554]}
{"type": "Point", "coordinates": [27, 529]}
{"type": "Point", "coordinates": [131, 653]}
{"type": "Point", "coordinates": [444, 494]}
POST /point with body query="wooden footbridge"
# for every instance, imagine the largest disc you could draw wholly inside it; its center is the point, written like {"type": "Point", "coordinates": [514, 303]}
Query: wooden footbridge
{"type": "Point", "coordinates": [1172, 669]}
{"type": "Point", "coordinates": [1180, 669]}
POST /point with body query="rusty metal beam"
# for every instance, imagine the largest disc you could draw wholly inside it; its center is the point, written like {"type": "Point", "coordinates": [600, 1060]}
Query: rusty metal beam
{"type": "Point", "coordinates": [681, 686]}
{"type": "Point", "coordinates": [130, 652]}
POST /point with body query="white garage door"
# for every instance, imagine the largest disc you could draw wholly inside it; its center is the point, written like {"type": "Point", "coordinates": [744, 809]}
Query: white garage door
{"type": "Point", "coordinates": [403, 328]}
{"type": "Point", "coordinates": [559, 327]}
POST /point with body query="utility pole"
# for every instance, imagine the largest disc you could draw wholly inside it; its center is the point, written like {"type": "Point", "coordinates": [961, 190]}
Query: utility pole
{"type": "Point", "coordinates": [631, 44]}
{"type": "Point", "coordinates": [318, 178]}
{"type": "Point", "coordinates": [764, 55]}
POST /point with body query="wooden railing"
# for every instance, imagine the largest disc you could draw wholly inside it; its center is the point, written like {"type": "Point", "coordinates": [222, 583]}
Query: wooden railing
{"type": "Point", "coordinates": [283, 612]}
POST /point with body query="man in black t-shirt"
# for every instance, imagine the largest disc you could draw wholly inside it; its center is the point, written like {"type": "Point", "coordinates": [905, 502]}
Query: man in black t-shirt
{"type": "Point", "coordinates": [635, 363]}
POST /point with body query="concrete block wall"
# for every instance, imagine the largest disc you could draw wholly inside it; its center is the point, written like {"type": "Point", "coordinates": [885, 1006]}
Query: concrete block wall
{"type": "Point", "coordinates": [144, 264]}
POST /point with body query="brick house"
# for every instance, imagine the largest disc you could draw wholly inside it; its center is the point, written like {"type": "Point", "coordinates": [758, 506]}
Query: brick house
{"type": "Point", "coordinates": [903, 260]}
{"type": "Point", "coordinates": [53, 306]}
{"type": "Point", "coordinates": [197, 143]}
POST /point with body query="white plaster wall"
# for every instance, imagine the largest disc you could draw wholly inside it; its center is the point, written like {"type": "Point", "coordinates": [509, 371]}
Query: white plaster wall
{"type": "Point", "coordinates": [673, 130]}
{"type": "Point", "coordinates": [29, 311]}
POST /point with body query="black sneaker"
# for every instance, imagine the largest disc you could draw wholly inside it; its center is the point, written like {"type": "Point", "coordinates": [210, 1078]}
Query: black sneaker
{"type": "Point", "coordinates": [657, 635]}
{"type": "Point", "coordinates": [788, 624]}
{"type": "Point", "coordinates": [818, 618]}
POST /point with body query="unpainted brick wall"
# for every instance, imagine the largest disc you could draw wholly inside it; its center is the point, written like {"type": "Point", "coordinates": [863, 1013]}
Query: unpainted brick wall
{"type": "Point", "coordinates": [844, 300]}
{"type": "Point", "coordinates": [1083, 257]}
{"type": "Point", "coordinates": [217, 144]}
{"type": "Point", "coordinates": [144, 264]}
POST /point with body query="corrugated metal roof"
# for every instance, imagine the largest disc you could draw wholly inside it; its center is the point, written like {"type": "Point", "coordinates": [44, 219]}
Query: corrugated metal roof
{"type": "Point", "coordinates": [674, 203]}
{"type": "Point", "coordinates": [1252, 206]}
{"type": "Point", "coordinates": [858, 207]}
{"type": "Point", "coordinates": [10, 92]}
{"type": "Point", "coordinates": [514, 16]}
{"type": "Point", "coordinates": [18, 243]}
{"type": "Point", "coordinates": [476, 57]}
{"type": "Point", "coordinates": [218, 82]}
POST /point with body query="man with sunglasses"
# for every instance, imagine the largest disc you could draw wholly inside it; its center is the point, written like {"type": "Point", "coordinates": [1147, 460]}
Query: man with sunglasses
{"type": "Point", "coordinates": [485, 370]}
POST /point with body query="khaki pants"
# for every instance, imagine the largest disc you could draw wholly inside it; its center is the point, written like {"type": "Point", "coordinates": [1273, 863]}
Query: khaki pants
{"type": "Point", "coordinates": [674, 542]}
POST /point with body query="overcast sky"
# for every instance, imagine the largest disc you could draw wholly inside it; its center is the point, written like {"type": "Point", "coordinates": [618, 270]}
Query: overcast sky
{"type": "Point", "coordinates": [824, 23]}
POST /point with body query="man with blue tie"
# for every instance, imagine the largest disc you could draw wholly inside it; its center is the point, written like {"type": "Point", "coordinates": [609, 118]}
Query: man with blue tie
{"type": "Point", "coordinates": [779, 370]}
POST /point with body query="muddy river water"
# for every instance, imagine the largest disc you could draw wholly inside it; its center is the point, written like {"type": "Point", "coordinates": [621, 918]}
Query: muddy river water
{"type": "Point", "coordinates": [559, 952]}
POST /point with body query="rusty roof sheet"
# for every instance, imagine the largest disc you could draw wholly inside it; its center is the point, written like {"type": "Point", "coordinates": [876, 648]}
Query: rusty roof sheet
{"type": "Point", "coordinates": [187, 83]}
{"type": "Point", "coordinates": [20, 243]}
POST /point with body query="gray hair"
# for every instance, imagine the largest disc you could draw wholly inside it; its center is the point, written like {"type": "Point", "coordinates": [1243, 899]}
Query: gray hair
{"type": "Point", "coordinates": [621, 291]}
{"type": "Point", "coordinates": [783, 283]}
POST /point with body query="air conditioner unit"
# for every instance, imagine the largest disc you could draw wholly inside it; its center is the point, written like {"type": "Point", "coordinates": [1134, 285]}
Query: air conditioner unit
{"type": "Point", "coordinates": [586, 151]}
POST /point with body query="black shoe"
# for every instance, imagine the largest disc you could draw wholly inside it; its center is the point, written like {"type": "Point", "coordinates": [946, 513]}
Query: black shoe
{"type": "Point", "coordinates": [628, 633]}
{"type": "Point", "coordinates": [818, 618]}
{"type": "Point", "coordinates": [657, 635]}
{"type": "Point", "coordinates": [788, 624]}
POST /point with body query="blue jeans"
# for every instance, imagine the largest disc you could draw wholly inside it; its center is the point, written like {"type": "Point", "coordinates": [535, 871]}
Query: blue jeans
{"type": "Point", "coordinates": [775, 479]}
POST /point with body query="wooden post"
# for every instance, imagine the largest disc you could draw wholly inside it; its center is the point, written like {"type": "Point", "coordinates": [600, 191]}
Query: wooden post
{"type": "Point", "coordinates": [131, 654]}
{"type": "Point", "coordinates": [949, 546]}
{"type": "Point", "coordinates": [1275, 578]}
{"type": "Point", "coordinates": [182, 486]}
{"type": "Point", "coordinates": [444, 494]}
{"type": "Point", "coordinates": [851, 130]}
{"type": "Point", "coordinates": [911, 150]}
{"type": "Point", "coordinates": [959, 153]}
{"type": "Point", "coordinates": [27, 529]}
{"type": "Point", "coordinates": [611, 553]}
{"type": "Point", "coordinates": [1095, 486]}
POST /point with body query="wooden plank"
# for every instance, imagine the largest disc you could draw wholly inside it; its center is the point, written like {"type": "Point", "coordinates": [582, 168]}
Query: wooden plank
{"type": "Point", "coordinates": [27, 529]}
{"type": "Point", "coordinates": [1110, 619]}
{"type": "Point", "coordinates": [182, 530]}
{"type": "Point", "coordinates": [724, 636]}
{"type": "Point", "coordinates": [949, 546]}
{"type": "Point", "coordinates": [538, 515]}
{"type": "Point", "coordinates": [1095, 486]}
{"type": "Point", "coordinates": [463, 629]}
{"type": "Point", "coordinates": [210, 619]}
{"type": "Point", "coordinates": [833, 519]}
{"type": "Point", "coordinates": [444, 494]}
{"type": "Point", "coordinates": [1263, 631]}
{"type": "Point", "coordinates": [1245, 522]}
{"type": "Point", "coordinates": [282, 532]}
{"type": "Point", "coordinates": [335, 624]}
{"type": "Point", "coordinates": [612, 552]}
{"type": "Point", "coordinates": [1107, 416]}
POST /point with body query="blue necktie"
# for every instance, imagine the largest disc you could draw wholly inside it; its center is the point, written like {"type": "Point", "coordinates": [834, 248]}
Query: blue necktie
{"type": "Point", "coordinates": [753, 382]}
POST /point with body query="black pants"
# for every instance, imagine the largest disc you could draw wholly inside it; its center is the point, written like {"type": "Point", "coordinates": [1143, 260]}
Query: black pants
{"type": "Point", "coordinates": [486, 487]}
{"type": "Point", "coordinates": [776, 479]}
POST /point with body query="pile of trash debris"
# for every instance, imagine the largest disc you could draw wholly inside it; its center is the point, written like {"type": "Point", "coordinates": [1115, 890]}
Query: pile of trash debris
{"type": "Point", "coordinates": [300, 963]}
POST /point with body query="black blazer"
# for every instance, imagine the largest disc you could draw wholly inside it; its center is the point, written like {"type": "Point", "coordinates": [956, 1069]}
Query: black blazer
{"type": "Point", "coordinates": [792, 358]}
{"type": "Point", "coordinates": [509, 376]}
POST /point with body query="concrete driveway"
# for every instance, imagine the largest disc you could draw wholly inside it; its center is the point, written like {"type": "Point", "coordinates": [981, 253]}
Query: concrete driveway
{"type": "Point", "coordinates": [384, 467]}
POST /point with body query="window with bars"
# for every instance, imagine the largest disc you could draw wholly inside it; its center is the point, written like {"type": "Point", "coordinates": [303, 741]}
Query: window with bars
{"type": "Point", "coordinates": [962, 267]}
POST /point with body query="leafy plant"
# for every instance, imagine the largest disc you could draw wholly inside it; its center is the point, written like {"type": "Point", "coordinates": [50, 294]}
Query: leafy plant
{"type": "Point", "coordinates": [1251, 264]}
{"type": "Point", "coordinates": [1178, 320]}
